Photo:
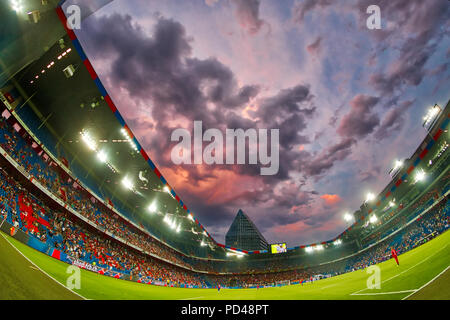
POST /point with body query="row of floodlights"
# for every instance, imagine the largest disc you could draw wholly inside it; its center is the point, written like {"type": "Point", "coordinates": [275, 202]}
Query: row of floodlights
{"type": "Point", "coordinates": [128, 183]}
{"type": "Point", "coordinates": [320, 247]}
{"type": "Point", "coordinates": [51, 64]}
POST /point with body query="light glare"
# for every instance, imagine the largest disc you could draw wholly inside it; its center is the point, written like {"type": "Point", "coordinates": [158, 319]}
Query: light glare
{"type": "Point", "coordinates": [370, 197]}
{"type": "Point", "coordinates": [127, 183]}
{"type": "Point", "coordinates": [102, 156]}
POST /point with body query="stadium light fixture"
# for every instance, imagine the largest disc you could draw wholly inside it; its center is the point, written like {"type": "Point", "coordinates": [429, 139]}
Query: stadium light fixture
{"type": "Point", "coordinates": [420, 175]}
{"type": "Point", "coordinates": [202, 244]}
{"type": "Point", "coordinates": [398, 164]}
{"type": "Point", "coordinates": [391, 204]}
{"type": "Point", "coordinates": [373, 219]}
{"type": "Point", "coordinates": [127, 136]}
{"type": "Point", "coordinates": [166, 218]}
{"type": "Point", "coordinates": [431, 114]}
{"type": "Point", "coordinates": [127, 183]}
{"type": "Point", "coordinates": [152, 208]}
{"type": "Point", "coordinates": [319, 247]}
{"type": "Point", "coordinates": [17, 5]}
{"type": "Point", "coordinates": [102, 156]}
{"type": "Point", "coordinates": [235, 254]}
{"type": "Point", "coordinates": [337, 242]}
{"type": "Point", "coordinates": [88, 140]}
{"type": "Point", "coordinates": [166, 189]}
{"type": "Point", "coordinates": [191, 217]}
{"type": "Point", "coordinates": [348, 217]}
{"type": "Point", "coordinates": [309, 249]}
{"type": "Point", "coordinates": [370, 197]}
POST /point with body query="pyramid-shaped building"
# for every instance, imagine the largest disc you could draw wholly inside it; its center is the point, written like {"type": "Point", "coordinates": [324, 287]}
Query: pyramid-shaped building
{"type": "Point", "coordinates": [244, 235]}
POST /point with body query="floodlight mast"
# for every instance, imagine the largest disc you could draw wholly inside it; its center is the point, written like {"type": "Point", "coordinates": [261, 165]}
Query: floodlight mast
{"type": "Point", "coordinates": [431, 117]}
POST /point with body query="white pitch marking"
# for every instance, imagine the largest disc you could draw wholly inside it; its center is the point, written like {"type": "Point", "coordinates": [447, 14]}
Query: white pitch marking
{"type": "Point", "coordinates": [378, 293]}
{"type": "Point", "coordinates": [41, 269]}
{"type": "Point", "coordinates": [427, 283]}
{"type": "Point", "coordinates": [356, 292]}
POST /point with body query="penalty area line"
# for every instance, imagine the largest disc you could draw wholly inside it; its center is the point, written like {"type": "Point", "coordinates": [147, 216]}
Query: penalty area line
{"type": "Point", "coordinates": [426, 284]}
{"type": "Point", "coordinates": [192, 298]}
{"type": "Point", "coordinates": [380, 293]}
{"type": "Point", "coordinates": [402, 272]}
{"type": "Point", "coordinates": [41, 269]}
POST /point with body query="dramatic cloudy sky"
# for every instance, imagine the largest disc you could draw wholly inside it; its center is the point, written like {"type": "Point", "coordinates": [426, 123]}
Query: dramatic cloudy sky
{"type": "Point", "coordinates": [347, 100]}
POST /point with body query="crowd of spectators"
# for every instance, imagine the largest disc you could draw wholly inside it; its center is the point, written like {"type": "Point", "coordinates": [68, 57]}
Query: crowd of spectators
{"type": "Point", "coordinates": [62, 186]}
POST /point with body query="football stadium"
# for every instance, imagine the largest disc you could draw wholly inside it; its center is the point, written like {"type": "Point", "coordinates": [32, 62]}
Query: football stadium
{"type": "Point", "coordinates": [87, 214]}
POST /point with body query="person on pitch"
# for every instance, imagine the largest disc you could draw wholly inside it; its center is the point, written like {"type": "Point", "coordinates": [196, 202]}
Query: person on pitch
{"type": "Point", "coordinates": [394, 255]}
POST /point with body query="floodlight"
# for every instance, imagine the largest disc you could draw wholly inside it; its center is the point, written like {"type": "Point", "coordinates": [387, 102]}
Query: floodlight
{"type": "Point", "coordinates": [88, 140]}
{"type": "Point", "coordinates": [152, 207]}
{"type": "Point", "coordinates": [102, 156]}
{"type": "Point", "coordinates": [373, 219]}
{"type": "Point", "coordinates": [319, 247]}
{"type": "Point", "coordinates": [337, 242]}
{"type": "Point", "coordinates": [348, 217]}
{"type": "Point", "coordinates": [166, 189]}
{"type": "Point", "coordinates": [166, 218]}
{"type": "Point", "coordinates": [431, 114]}
{"type": "Point", "coordinates": [370, 196]}
{"type": "Point", "coordinates": [308, 249]}
{"type": "Point", "coordinates": [391, 204]}
{"type": "Point", "coordinates": [16, 5]}
{"type": "Point", "coordinates": [398, 164]}
{"type": "Point", "coordinates": [420, 176]}
{"type": "Point", "coordinates": [127, 183]}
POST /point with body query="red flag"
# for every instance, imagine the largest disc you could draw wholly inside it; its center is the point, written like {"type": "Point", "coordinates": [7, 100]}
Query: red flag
{"type": "Point", "coordinates": [63, 194]}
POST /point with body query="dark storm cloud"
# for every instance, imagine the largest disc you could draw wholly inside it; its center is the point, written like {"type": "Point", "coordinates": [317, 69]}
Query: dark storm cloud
{"type": "Point", "coordinates": [324, 161]}
{"type": "Point", "coordinates": [287, 101]}
{"type": "Point", "coordinates": [288, 111]}
{"type": "Point", "coordinates": [393, 121]}
{"type": "Point", "coordinates": [360, 120]}
{"type": "Point", "coordinates": [370, 175]}
{"type": "Point", "coordinates": [247, 13]}
{"type": "Point", "coordinates": [301, 8]}
{"type": "Point", "coordinates": [415, 30]}
{"type": "Point", "coordinates": [159, 71]}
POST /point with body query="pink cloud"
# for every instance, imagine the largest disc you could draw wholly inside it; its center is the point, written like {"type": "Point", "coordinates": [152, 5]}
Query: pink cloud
{"type": "Point", "coordinates": [331, 199]}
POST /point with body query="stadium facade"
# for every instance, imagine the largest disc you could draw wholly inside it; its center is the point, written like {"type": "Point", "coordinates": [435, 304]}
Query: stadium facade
{"type": "Point", "coordinates": [55, 127]}
{"type": "Point", "coordinates": [244, 235]}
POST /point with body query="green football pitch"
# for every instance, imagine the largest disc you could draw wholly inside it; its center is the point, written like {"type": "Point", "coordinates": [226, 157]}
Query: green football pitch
{"type": "Point", "coordinates": [423, 274]}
